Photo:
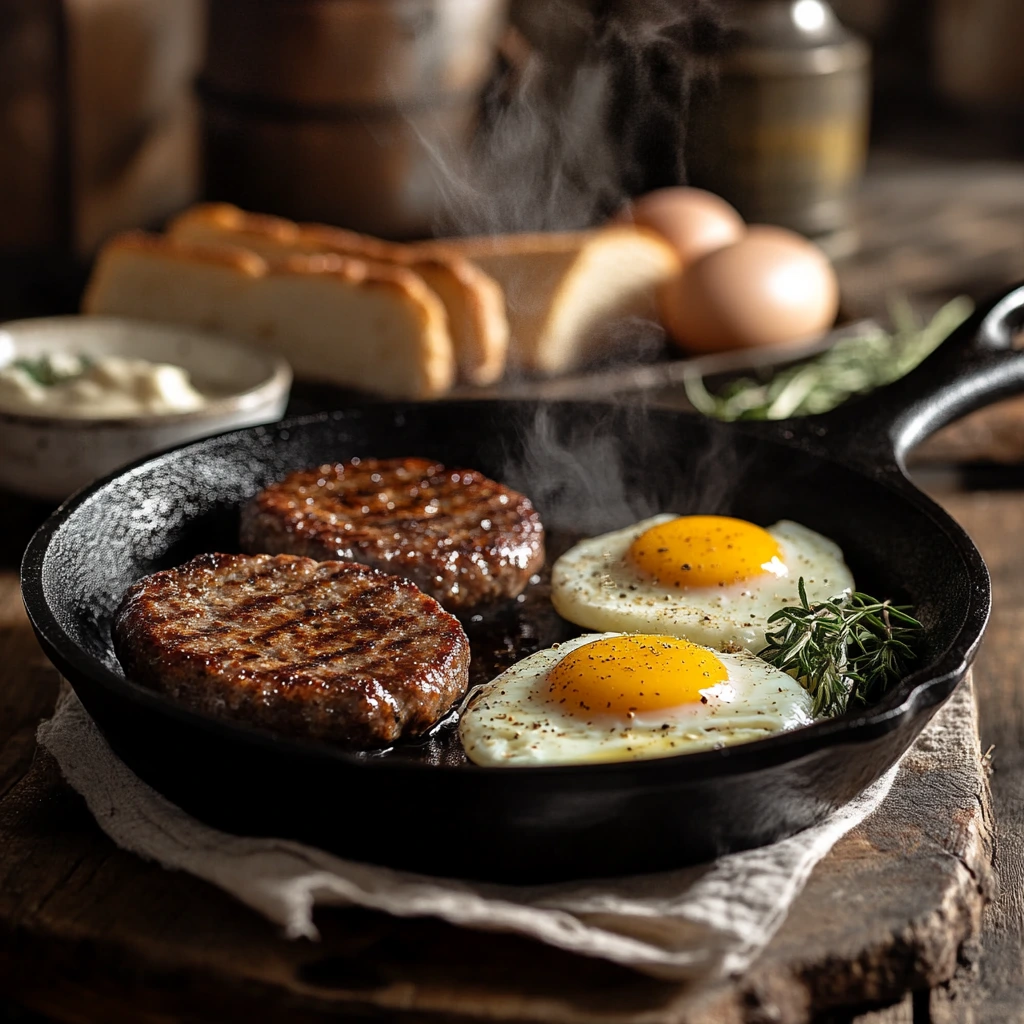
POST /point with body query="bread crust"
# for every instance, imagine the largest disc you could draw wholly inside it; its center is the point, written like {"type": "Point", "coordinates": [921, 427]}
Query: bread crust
{"type": "Point", "coordinates": [473, 301]}
{"type": "Point", "coordinates": [551, 291]}
{"type": "Point", "coordinates": [428, 365]}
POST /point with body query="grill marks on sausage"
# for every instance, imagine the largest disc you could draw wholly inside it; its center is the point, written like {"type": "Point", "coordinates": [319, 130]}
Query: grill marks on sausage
{"type": "Point", "coordinates": [327, 650]}
{"type": "Point", "coordinates": [461, 537]}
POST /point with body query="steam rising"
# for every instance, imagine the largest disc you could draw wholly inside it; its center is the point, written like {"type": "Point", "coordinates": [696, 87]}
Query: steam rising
{"type": "Point", "coordinates": [597, 472]}
{"type": "Point", "coordinates": [577, 479]}
{"type": "Point", "coordinates": [589, 112]}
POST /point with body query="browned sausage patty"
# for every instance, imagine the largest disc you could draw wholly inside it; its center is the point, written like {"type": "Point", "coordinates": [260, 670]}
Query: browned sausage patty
{"type": "Point", "coordinates": [459, 536]}
{"type": "Point", "coordinates": [329, 650]}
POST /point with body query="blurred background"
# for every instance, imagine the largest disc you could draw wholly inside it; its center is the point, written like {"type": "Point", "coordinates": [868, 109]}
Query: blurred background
{"type": "Point", "coordinates": [865, 124]}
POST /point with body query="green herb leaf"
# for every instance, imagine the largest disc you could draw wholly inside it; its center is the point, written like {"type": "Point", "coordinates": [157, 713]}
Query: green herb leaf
{"type": "Point", "coordinates": [43, 370]}
{"type": "Point", "coordinates": [850, 367]}
{"type": "Point", "coordinates": [847, 649]}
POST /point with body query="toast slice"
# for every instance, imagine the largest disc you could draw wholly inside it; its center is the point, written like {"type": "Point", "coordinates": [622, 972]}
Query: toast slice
{"type": "Point", "coordinates": [569, 294]}
{"type": "Point", "coordinates": [352, 322]}
{"type": "Point", "coordinates": [473, 301]}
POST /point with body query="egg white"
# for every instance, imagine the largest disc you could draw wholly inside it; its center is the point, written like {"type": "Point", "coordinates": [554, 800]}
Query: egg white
{"type": "Point", "coordinates": [596, 586]}
{"type": "Point", "coordinates": [506, 721]}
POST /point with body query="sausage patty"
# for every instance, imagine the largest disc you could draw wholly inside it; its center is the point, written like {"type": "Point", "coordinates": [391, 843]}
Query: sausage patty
{"type": "Point", "coordinates": [329, 650]}
{"type": "Point", "coordinates": [459, 536]}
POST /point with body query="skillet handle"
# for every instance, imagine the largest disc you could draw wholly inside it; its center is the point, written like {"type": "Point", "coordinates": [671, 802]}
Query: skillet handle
{"type": "Point", "coordinates": [979, 363]}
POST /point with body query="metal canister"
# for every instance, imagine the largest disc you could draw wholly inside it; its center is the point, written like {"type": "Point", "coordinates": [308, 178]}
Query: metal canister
{"type": "Point", "coordinates": [783, 132]}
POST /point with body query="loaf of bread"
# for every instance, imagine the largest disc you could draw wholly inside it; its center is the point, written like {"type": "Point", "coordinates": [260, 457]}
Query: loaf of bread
{"type": "Point", "coordinates": [352, 322]}
{"type": "Point", "coordinates": [472, 300]}
{"type": "Point", "coordinates": [569, 295]}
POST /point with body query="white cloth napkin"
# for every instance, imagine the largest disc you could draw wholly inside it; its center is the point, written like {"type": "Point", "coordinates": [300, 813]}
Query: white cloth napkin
{"type": "Point", "coordinates": [705, 922]}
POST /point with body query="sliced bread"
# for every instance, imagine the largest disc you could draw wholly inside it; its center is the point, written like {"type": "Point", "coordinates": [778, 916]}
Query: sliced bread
{"type": "Point", "coordinates": [568, 295]}
{"type": "Point", "coordinates": [352, 322]}
{"type": "Point", "coordinates": [473, 301]}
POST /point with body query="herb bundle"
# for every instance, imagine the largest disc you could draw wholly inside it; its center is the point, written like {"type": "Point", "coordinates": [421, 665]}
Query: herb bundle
{"type": "Point", "coordinates": [852, 366]}
{"type": "Point", "coordinates": [850, 648]}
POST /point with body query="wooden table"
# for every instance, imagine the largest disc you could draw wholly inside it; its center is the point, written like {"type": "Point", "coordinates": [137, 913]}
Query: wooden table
{"type": "Point", "coordinates": [930, 230]}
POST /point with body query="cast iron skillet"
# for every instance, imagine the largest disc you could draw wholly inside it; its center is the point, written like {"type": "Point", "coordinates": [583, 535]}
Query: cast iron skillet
{"type": "Point", "coordinates": [589, 467]}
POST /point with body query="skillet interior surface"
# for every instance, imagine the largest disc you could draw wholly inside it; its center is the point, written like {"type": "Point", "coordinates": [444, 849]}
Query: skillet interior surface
{"type": "Point", "coordinates": [589, 468]}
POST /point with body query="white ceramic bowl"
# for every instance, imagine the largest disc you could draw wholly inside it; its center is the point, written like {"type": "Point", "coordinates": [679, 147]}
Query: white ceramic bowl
{"type": "Point", "coordinates": [48, 457]}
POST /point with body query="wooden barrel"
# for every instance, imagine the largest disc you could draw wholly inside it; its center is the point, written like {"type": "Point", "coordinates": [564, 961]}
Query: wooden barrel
{"type": "Point", "coordinates": [338, 110]}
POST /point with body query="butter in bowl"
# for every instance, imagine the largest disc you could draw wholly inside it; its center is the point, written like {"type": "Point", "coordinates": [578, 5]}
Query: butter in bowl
{"type": "Point", "coordinates": [82, 395]}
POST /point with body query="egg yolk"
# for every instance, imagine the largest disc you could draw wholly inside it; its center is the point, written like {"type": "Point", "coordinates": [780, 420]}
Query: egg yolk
{"type": "Point", "coordinates": [628, 675]}
{"type": "Point", "coordinates": [706, 551]}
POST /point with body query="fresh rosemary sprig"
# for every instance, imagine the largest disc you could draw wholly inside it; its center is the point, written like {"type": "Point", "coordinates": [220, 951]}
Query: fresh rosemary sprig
{"type": "Point", "coordinates": [850, 648]}
{"type": "Point", "coordinates": [852, 366]}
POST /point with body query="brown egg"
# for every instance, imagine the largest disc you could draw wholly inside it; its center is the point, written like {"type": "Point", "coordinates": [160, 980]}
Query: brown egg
{"type": "Point", "coordinates": [772, 287]}
{"type": "Point", "coordinates": [693, 221]}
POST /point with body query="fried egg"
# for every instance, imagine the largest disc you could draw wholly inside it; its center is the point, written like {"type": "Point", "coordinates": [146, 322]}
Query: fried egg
{"type": "Point", "coordinates": [619, 697]}
{"type": "Point", "coordinates": [710, 579]}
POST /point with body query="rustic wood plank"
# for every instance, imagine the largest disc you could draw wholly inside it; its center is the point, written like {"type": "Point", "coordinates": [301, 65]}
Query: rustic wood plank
{"type": "Point", "coordinates": [994, 434]}
{"type": "Point", "coordinates": [932, 229]}
{"type": "Point", "coordinates": [887, 912]}
{"type": "Point", "coordinates": [901, 1013]}
{"type": "Point", "coordinates": [995, 519]}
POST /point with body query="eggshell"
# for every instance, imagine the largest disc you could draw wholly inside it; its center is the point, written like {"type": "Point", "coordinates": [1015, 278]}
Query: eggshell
{"type": "Point", "coordinates": [772, 287]}
{"type": "Point", "coordinates": [693, 221]}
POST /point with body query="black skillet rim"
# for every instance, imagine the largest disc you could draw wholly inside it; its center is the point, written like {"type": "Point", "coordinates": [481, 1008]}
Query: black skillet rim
{"type": "Point", "coordinates": [925, 687]}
